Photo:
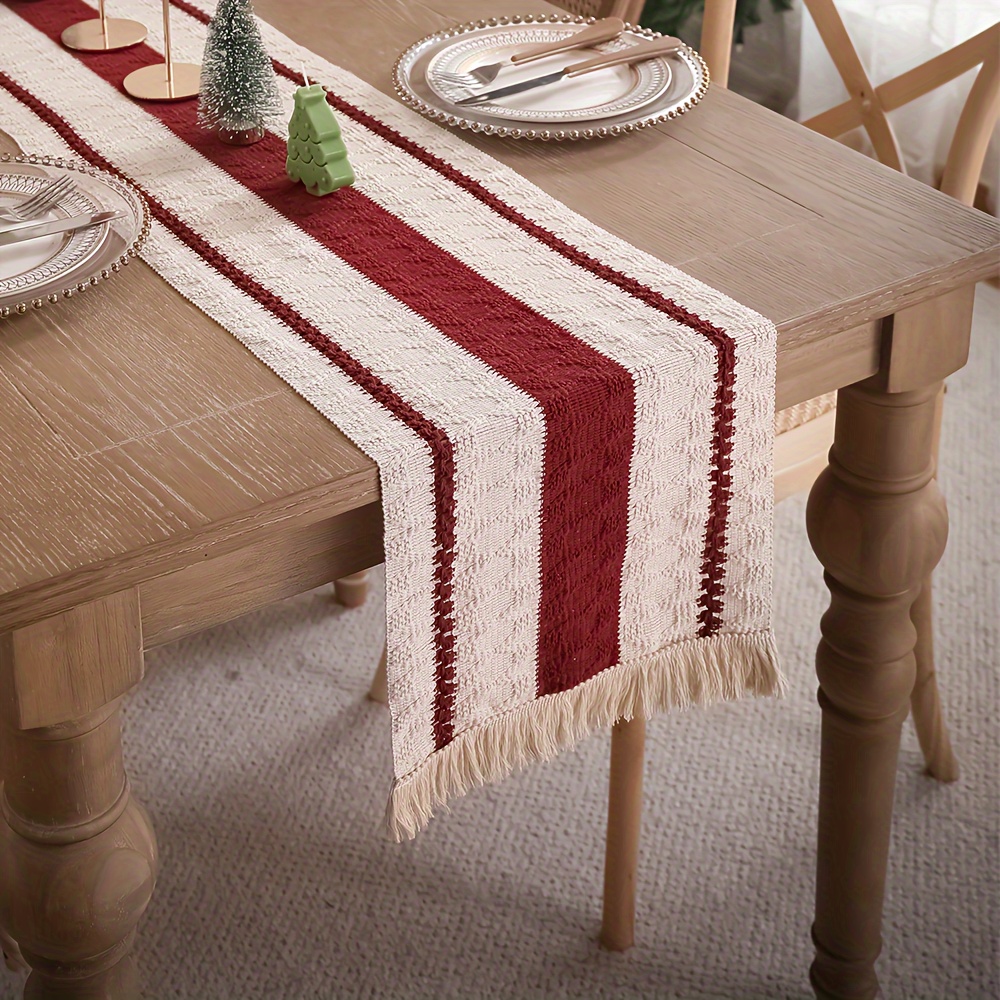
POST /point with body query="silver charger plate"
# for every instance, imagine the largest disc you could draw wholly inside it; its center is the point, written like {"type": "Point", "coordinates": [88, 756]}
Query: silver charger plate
{"type": "Point", "coordinates": [51, 269]}
{"type": "Point", "coordinates": [603, 103]}
{"type": "Point", "coordinates": [601, 94]}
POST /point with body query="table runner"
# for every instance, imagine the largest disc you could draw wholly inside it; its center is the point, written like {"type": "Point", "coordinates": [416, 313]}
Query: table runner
{"type": "Point", "coordinates": [573, 439]}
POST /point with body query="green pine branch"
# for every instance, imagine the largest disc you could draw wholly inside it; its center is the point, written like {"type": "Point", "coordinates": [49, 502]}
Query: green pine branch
{"type": "Point", "coordinates": [669, 16]}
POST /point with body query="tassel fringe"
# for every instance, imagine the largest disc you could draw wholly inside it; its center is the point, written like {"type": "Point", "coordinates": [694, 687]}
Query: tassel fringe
{"type": "Point", "coordinates": [695, 672]}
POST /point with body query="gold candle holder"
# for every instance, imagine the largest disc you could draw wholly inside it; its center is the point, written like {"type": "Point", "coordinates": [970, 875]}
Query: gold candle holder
{"type": "Point", "coordinates": [103, 33]}
{"type": "Point", "coordinates": [165, 81]}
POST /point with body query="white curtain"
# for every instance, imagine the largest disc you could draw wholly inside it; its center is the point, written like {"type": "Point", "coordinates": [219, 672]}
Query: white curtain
{"type": "Point", "coordinates": [892, 36]}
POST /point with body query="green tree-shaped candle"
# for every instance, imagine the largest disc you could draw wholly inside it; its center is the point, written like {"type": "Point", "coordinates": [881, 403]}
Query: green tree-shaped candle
{"type": "Point", "coordinates": [239, 92]}
{"type": "Point", "coordinates": [316, 153]}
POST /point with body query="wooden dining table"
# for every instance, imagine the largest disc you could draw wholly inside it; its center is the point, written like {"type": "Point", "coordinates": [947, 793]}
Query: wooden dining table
{"type": "Point", "coordinates": [149, 493]}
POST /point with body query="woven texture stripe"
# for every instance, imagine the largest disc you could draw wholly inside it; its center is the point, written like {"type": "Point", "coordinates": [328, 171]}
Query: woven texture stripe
{"type": "Point", "coordinates": [714, 552]}
{"type": "Point", "coordinates": [564, 426]}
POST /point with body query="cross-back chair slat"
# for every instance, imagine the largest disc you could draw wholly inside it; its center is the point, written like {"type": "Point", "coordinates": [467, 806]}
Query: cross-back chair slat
{"type": "Point", "coordinates": [868, 105]}
{"type": "Point", "coordinates": [972, 133]}
{"type": "Point", "coordinates": [864, 95]}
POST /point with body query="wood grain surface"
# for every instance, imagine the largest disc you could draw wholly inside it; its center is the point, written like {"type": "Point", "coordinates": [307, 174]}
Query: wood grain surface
{"type": "Point", "coordinates": [140, 438]}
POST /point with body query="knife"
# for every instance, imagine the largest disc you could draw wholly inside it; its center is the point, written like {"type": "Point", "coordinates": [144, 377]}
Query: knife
{"type": "Point", "coordinates": [32, 230]}
{"type": "Point", "coordinates": [635, 53]}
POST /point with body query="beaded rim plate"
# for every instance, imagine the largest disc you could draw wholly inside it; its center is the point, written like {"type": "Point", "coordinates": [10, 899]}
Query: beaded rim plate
{"type": "Point", "coordinates": [53, 268]}
{"type": "Point", "coordinates": [611, 92]}
{"type": "Point", "coordinates": [414, 78]}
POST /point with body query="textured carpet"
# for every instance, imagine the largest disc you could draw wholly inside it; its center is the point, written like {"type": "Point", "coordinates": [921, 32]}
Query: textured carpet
{"type": "Point", "coordinates": [266, 774]}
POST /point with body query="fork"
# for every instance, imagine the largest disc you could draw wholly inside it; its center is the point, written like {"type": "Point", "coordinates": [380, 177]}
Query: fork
{"type": "Point", "coordinates": [600, 31]}
{"type": "Point", "coordinates": [39, 203]}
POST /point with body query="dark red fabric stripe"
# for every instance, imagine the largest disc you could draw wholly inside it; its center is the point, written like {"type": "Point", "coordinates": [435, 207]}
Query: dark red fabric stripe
{"type": "Point", "coordinates": [437, 440]}
{"type": "Point", "coordinates": [587, 398]}
{"type": "Point", "coordinates": [714, 556]}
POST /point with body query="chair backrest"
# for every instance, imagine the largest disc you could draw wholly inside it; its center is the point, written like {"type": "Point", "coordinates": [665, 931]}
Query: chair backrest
{"type": "Point", "coordinates": [868, 105]}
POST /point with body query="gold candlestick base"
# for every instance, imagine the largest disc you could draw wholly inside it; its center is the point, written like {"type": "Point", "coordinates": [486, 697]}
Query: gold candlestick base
{"type": "Point", "coordinates": [151, 84]}
{"type": "Point", "coordinates": [103, 36]}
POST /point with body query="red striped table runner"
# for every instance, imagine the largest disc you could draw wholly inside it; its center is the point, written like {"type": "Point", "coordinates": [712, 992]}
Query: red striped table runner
{"type": "Point", "coordinates": [573, 438]}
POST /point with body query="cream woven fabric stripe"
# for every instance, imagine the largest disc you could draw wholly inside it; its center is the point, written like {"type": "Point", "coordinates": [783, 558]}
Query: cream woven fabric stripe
{"type": "Point", "coordinates": [574, 448]}
{"type": "Point", "coordinates": [655, 565]}
{"type": "Point", "coordinates": [649, 550]}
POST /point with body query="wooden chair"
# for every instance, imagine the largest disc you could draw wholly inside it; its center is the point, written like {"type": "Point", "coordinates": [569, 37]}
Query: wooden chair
{"type": "Point", "coordinates": [803, 433]}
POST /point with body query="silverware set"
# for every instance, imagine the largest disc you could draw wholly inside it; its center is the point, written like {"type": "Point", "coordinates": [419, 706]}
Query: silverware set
{"type": "Point", "coordinates": [605, 30]}
{"type": "Point", "coordinates": [25, 222]}
{"type": "Point", "coordinates": [21, 231]}
{"type": "Point", "coordinates": [39, 203]}
{"type": "Point", "coordinates": [634, 54]}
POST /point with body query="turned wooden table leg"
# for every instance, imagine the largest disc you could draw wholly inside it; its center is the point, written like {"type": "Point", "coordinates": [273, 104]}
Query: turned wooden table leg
{"type": "Point", "coordinates": [77, 852]}
{"type": "Point", "coordinates": [878, 524]}
{"type": "Point", "coordinates": [352, 591]}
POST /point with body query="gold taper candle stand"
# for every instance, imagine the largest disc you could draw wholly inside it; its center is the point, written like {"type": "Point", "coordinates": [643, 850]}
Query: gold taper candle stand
{"type": "Point", "coordinates": [103, 33]}
{"type": "Point", "coordinates": [165, 81]}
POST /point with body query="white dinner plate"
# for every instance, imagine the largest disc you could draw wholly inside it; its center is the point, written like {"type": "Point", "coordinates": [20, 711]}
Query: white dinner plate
{"type": "Point", "coordinates": [52, 268]}
{"type": "Point", "coordinates": [602, 94]}
{"type": "Point", "coordinates": [605, 102]}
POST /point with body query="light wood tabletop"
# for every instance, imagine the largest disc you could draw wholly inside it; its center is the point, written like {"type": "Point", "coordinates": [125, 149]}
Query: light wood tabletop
{"type": "Point", "coordinates": [139, 462]}
{"type": "Point", "coordinates": [149, 461]}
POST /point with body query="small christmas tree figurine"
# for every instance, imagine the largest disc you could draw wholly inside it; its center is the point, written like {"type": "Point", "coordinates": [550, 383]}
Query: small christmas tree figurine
{"type": "Point", "coordinates": [316, 153]}
{"type": "Point", "coordinates": [239, 92]}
